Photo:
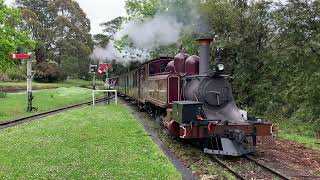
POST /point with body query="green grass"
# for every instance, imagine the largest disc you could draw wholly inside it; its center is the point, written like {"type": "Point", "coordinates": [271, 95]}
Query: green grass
{"type": "Point", "coordinates": [103, 142]}
{"type": "Point", "coordinates": [66, 83]}
{"type": "Point", "coordinates": [81, 83]}
{"type": "Point", "coordinates": [14, 105]}
{"type": "Point", "coordinates": [23, 85]}
{"type": "Point", "coordinates": [300, 132]}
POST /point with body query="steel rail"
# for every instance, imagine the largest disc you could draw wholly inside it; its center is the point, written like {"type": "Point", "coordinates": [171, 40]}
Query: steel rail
{"type": "Point", "coordinates": [274, 172]}
{"type": "Point", "coordinates": [235, 173]}
{"type": "Point", "coordinates": [11, 123]}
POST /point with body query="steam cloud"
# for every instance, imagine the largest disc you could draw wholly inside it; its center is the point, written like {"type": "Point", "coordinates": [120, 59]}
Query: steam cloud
{"type": "Point", "coordinates": [109, 52]}
{"type": "Point", "coordinates": [163, 29]}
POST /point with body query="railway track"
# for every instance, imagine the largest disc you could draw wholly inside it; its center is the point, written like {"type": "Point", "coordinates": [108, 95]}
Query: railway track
{"type": "Point", "coordinates": [248, 170]}
{"type": "Point", "coordinates": [267, 168]}
{"type": "Point", "coordinates": [11, 123]}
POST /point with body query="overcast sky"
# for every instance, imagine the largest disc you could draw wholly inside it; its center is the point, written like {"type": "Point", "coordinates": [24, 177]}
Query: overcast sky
{"type": "Point", "coordinates": [99, 11]}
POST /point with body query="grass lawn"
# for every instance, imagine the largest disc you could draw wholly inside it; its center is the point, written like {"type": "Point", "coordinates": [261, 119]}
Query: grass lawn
{"type": "Point", "coordinates": [14, 105]}
{"type": "Point", "coordinates": [67, 83]}
{"type": "Point", "coordinates": [303, 133]}
{"type": "Point", "coordinates": [23, 85]}
{"type": "Point", "coordinates": [103, 142]}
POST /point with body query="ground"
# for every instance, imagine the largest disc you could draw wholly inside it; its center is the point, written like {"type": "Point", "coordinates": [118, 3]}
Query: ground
{"type": "Point", "coordinates": [278, 152]}
{"type": "Point", "coordinates": [14, 105]}
{"type": "Point", "coordinates": [307, 134]}
{"type": "Point", "coordinates": [285, 156]}
{"type": "Point", "coordinates": [199, 163]}
{"type": "Point", "coordinates": [294, 159]}
{"type": "Point", "coordinates": [103, 142]}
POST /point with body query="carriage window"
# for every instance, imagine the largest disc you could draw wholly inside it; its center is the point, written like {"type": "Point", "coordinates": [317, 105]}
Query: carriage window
{"type": "Point", "coordinates": [158, 66]}
{"type": "Point", "coordinates": [163, 68]}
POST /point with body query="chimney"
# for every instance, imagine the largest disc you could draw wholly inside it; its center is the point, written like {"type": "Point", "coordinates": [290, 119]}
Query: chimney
{"type": "Point", "coordinates": [204, 50]}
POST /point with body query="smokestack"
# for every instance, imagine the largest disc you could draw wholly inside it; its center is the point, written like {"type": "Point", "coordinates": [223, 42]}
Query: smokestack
{"type": "Point", "coordinates": [204, 64]}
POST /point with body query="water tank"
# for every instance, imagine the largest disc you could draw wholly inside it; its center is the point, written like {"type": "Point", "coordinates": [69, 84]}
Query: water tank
{"type": "Point", "coordinates": [192, 65]}
{"type": "Point", "coordinates": [179, 62]}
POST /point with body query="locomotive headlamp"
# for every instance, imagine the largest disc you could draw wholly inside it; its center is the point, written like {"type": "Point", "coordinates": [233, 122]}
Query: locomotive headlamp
{"type": "Point", "coordinates": [220, 67]}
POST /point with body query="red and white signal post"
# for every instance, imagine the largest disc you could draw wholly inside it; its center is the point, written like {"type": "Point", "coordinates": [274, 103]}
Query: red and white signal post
{"type": "Point", "coordinates": [105, 68]}
{"type": "Point", "coordinates": [29, 76]}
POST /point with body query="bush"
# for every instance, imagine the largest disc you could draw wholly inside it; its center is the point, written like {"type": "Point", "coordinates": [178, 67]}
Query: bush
{"type": "Point", "coordinates": [4, 77]}
{"type": "Point", "coordinates": [17, 73]}
{"type": "Point", "coordinates": [48, 72]}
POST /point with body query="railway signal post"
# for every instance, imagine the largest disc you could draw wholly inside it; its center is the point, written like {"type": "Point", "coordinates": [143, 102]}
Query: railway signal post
{"type": "Point", "coordinates": [30, 75]}
{"type": "Point", "coordinates": [104, 68]}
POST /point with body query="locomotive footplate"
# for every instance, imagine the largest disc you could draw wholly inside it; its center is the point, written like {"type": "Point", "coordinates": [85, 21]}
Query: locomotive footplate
{"type": "Point", "coordinates": [228, 139]}
{"type": "Point", "coordinates": [205, 129]}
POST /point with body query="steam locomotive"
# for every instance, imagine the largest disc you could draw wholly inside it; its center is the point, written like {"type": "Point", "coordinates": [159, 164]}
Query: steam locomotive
{"type": "Point", "coordinates": [193, 102]}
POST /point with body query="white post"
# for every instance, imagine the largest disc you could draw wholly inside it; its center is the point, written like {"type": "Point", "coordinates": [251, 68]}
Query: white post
{"type": "Point", "coordinates": [29, 84]}
{"type": "Point", "coordinates": [93, 95]}
{"type": "Point", "coordinates": [93, 98]}
{"type": "Point", "coordinates": [116, 97]}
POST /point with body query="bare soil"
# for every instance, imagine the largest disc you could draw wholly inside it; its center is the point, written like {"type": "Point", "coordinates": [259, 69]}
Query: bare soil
{"type": "Point", "coordinates": [292, 159]}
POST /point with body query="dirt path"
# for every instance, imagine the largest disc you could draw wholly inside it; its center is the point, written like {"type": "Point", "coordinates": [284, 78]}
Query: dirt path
{"type": "Point", "coordinates": [291, 158]}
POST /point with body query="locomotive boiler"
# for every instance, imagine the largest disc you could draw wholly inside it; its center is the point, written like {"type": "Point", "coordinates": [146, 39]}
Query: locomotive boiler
{"type": "Point", "coordinates": [194, 102]}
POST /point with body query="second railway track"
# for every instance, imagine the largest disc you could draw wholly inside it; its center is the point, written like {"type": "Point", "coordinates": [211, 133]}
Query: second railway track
{"type": "Point", "coordinates": [11, 123]}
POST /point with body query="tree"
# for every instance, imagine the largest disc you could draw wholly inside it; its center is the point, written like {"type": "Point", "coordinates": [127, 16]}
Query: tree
{"type": "Point", "coordinates": [12, 37]}
{"type": "Point", "coordinates": [297, 55]}
{"type": "Point", "coordinates": [61, 30]}
{"type": "Point", "coordinates": [109, 30]}
{"type": "Point", "coordinates": [101, 40]}
{"type": "Point", "coordinates": [142, 8]}
{"type": "Point", "coordinates": [272, 53]}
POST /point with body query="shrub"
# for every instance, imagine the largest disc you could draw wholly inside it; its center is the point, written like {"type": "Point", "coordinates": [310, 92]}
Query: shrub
{"type": "Point", "coordinates": [48, 72]}
{"type": "Point", "coordinates": [17, 73]}
{"type": "Point", "coordinates": [4, 77]}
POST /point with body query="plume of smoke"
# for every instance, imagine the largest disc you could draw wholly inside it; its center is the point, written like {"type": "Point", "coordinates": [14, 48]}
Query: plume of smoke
{"type": "Point", "coordinates": [107, 53]}
{"type": "Point", "coordinates": [188, 13]}
{"type": "Point", "coordinates": [110, 52]}
{"type": "Point", "coordinates": [161, 30]}
{"type": "Point", "coordinates": [165, 28]}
